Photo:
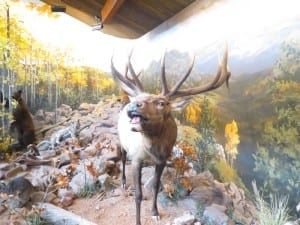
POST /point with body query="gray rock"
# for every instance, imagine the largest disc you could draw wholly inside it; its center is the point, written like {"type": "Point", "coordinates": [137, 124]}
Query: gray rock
{"type": "Point", "coordinates": [47, 154]}
{"type": "Point", "coordinates": [189, 204]}
{"type": "Point", "coordinates": [80, 180]}
{"type": "Point", "coordinates": [43, 178]}
{"type": "Point", "coordinates": [186, 219]}
{"type": "Point", "coordinates": [4, 166]}
{"type": "Point", "coordinates": [64, 159]}
{"type": "Point", "coordinates": [216, 214]}
{"type": "Point", "coordinates": [44, 145]}
{"type": "Point", "coordinates": [66, 196]}
{"type": "Point", "coordinates": [63, 192]}
{"type": "Point", "coordinates": [19, 190]}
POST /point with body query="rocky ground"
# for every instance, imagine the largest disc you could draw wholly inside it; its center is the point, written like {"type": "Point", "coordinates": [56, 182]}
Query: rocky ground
{"type": "Point", "coordinates": [79, 162]}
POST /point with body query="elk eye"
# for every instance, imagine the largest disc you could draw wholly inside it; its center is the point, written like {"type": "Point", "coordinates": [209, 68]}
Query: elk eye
{"type": "Point", "coordinates": [161, 104]}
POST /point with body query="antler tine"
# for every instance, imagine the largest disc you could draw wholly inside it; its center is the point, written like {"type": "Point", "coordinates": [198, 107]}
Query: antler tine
{"type": "Point", "coordinates": [224, 71]}
{"type": "Point", "coordinates": [164, 86]}
{"type": "Point", "coordinates": [223, 75]}
{"type": "Point", "coordinates": [183, 78]}
{"type": "Point", "coordinates": [126, 73]}
{"type": "Point", "coordinates": [126, 84]}
{"type": "Point", "coordinates": [134, 75]}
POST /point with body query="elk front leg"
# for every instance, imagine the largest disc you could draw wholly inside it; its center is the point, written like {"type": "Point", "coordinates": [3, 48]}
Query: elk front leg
{"type": "Point", "coordinates": [158, 171]}
{"type": "Point", "coordinates": [123, 156]}
{"type": "Point", "coordinates": [137, 171]}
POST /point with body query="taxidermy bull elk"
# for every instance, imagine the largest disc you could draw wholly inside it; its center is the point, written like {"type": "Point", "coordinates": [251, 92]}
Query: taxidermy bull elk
{"type": "Point", "coordinates": [147, 130]}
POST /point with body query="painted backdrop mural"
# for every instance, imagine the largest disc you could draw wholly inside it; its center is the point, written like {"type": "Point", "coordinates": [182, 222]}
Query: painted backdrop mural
{"type": "Point", "coordinates": [263, 102]}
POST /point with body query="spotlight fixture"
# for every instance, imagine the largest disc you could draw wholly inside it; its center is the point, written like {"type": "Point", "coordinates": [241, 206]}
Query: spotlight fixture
{"type": "Point", "coordinates": [98, 25]}
{"type": "Point", "coordinates": [58, 8]}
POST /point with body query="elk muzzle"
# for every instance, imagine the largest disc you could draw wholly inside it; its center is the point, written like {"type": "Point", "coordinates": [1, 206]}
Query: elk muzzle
{"type": "Point", "coordinates": [137, 118]}
{"type": "Point", "coordinates": [135, 114]}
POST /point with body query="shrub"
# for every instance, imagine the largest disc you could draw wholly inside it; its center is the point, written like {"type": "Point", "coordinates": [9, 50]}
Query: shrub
{"type": "Point", "coordinates": [273, 213]}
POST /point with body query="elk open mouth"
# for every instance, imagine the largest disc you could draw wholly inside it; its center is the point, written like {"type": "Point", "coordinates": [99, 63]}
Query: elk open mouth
{"type": "Point", "coordinates": [136, 117]}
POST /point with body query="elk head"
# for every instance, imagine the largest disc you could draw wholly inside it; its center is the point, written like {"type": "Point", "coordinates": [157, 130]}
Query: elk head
{"type": "Point", "coordinates": [147, 130]}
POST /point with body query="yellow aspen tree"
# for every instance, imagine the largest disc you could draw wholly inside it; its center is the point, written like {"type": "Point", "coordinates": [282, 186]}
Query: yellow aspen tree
{"type": "Point", "coordinates": [232, 141]}
{"type": "Point", "coordinates": [193, 113]}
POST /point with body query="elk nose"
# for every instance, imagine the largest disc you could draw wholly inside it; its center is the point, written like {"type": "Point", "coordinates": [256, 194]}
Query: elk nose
{"type": "Point", "coordinates": [136, 105]}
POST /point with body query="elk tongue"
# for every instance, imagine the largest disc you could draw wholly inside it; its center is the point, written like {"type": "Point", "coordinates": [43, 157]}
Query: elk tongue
{"type": "Point", "coordinates": [136, 119]}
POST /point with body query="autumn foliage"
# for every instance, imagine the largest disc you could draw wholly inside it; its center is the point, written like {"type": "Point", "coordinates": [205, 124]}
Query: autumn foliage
{"type": "Point", "coordinates": [193, 113]}
{"type": "Point", "coordinates": [188, 154]}
{"type": "Point", "coordinates": [232, 141]}
{"type": "Point", "coordinates": [181, 165]}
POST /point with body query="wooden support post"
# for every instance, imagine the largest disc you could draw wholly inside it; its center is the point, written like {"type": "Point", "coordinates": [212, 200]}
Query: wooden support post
{"type": "Point", "coordinates": [109, 9]}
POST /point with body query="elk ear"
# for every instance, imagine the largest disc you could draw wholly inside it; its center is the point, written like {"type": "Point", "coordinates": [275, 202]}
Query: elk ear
{"type": "Point", "coordinates": [180, 103]}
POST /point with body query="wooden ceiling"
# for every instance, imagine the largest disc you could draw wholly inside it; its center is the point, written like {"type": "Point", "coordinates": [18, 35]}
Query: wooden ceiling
{"type": "Point", "coordinates": [123, 18]}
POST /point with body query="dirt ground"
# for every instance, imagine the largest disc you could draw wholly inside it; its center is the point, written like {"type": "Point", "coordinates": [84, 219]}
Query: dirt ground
{"type": "Point", "coordinates": [116, 206]}
{"type": "Point", "coordinates": [120, 209]}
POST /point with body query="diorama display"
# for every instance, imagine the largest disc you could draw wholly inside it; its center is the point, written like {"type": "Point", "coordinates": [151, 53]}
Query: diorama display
{"type": "Point", "coordinates": [233, 148]}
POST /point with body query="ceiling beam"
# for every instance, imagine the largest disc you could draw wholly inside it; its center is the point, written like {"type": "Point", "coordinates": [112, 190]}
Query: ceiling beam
{"type": "Point", "coordinates": [109, 9]}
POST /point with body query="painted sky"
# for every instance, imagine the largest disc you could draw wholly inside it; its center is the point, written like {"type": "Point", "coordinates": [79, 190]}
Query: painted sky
{"type": "Point", "coordinates": [249, 28]}
{"type": "Point", "coordinates": [246, 25]}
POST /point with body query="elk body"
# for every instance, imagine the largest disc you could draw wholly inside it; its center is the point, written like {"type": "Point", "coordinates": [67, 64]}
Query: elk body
{"type": "Point", "coordinates": [147, 130]}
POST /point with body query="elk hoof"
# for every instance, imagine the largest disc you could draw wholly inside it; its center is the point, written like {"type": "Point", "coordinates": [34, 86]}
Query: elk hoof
{"type": "Point", "coordinates": [156, 218]}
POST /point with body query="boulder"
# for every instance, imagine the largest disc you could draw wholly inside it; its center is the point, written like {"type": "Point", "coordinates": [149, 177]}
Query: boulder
{"type": "Point", "coordinates": [216, 214]}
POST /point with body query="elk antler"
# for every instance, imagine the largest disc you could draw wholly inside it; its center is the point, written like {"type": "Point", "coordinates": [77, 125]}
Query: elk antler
{"type": "Point", "coordinates": [135, 76]}
{"type": "Point", "coordinates": [165, 89]}
{"type": "Point", "coordinates": [222, 75]}
{"type": "Point", "coordinates": [132, 86]}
